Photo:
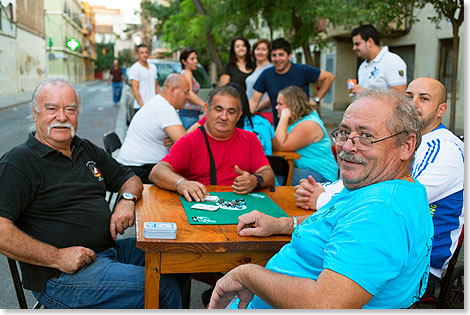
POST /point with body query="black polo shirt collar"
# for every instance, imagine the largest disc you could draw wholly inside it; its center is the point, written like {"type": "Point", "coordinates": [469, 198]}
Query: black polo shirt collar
{"type": "Point", "coordinates": [42, 149]}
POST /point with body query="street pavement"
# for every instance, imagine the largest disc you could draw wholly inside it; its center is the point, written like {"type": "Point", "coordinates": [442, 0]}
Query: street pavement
{"type": "Point", "coordinates": [97, 116]}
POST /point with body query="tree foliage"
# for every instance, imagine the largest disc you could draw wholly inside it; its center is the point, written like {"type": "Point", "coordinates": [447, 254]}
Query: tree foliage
{"type": "Point", "coordinates": [126, 57]}
{"type": "Point", "coordinates": [104, 56]}
{"type": "Point", "coordinates": [183, 24]}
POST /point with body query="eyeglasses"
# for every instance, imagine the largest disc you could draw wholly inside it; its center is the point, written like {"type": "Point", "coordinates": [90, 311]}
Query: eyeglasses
{"type": "Point", "coordinates": [362, 143]}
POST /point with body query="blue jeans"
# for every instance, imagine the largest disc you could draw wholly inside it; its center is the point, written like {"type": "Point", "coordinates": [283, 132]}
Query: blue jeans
{"type": "Point", "coordinates": [188, 117]}
{"type": "Point", "coordinates": [116, 279]}
{"type": "Point", "coordinates": [117, 89]}
{"type": "Point", "coordinates": [299, 173]}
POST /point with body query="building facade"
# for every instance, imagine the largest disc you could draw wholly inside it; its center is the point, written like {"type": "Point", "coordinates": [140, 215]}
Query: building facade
{"type": "Point", "coordinates": [22, 45]}
{"type": "Point", "coordinates": [65, 26]}
{"type": "Point", "coordinates": [89, 49]}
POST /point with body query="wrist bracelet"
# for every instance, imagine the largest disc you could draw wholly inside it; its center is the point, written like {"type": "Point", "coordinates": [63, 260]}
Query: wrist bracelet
{"type": "Point", "coordinates": [179, 182]}
{"type": "Point", "coordinates": [295, 223]}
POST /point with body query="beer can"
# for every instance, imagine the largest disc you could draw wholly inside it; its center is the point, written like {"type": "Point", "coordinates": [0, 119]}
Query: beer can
{"type": "Point", "coordinates": [351, 83]}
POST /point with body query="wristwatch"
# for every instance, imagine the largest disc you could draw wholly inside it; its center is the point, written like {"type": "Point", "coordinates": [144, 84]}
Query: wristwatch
{"type": "Point", "coordinates": [128, 196]}
{"type": "Point", "coordinates": [316, 100]}
{"type": "Point", "coordinates": [260, 180]}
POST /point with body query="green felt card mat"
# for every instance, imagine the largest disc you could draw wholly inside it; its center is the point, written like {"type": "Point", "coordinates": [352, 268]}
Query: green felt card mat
{"type": "Point", "coordinates": [254, 201]}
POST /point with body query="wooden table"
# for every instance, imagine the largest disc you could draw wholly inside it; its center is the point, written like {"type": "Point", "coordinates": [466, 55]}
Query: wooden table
{"type": "Point", "coordinates": [200, 248]}
{"type": "Point", "coordinates": [290, 156]}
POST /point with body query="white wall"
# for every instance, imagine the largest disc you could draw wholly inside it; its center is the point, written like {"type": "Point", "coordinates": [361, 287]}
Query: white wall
{"type": "Point", "coordinates": [8, 74]}
{"type": "Point", "coordinates": [31, 63]}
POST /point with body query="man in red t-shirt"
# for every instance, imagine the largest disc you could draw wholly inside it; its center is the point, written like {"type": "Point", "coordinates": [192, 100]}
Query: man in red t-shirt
{"type": "Point", "coordinates": [238, 154]}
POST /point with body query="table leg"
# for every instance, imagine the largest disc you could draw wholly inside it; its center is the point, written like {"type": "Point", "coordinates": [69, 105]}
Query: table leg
{"type": "Point", "coordinates": [291, 170]}
{"type": "Point", "coordinates": [152, 279]}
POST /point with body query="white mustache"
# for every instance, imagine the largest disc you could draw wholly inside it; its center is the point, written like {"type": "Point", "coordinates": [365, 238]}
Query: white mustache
{"type": "Point", "coordinates": [350, 158]}
{"type": "Point", "coordinates": [64, 125]}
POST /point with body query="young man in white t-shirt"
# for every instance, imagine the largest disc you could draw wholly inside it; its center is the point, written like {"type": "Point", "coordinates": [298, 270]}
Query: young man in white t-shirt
{"type": "Point", "coordinates": [144, 145]}
{"type": "Point", "coordinates": [143, 78]}
{"type": "Point", "coordinates": [381, 68]}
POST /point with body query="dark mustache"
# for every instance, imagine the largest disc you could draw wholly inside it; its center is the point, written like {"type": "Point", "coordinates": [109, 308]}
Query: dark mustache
{"type": "Point", "coordinates": [349, 157]}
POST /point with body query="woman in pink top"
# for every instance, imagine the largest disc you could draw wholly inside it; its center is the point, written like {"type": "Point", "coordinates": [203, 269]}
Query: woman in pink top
{"type": "Point", "coordinates": [190, 113]}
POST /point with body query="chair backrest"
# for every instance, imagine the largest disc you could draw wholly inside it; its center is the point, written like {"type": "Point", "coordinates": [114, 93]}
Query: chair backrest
{"type": "Point", "coordinates": [111, 142]}
{"type": "Point", "coordinates": [280, 167]}
{"type": "Point", "coordinates": [447, 279]}
{"type": "Point", "coordinates": [18, 287]}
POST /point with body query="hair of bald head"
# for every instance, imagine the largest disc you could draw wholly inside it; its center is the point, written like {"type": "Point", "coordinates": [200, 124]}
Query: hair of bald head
{"type": "Point", "coordinates": [404, 118]}
{"type": "Point", "coordinates": [172, 80]}
{"type": "Point", "coordinates": [53, 82]}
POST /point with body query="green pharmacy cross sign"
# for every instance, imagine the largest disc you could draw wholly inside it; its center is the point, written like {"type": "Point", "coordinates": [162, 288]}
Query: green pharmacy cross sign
{"type": "Point", "coordinates": [73, 44]}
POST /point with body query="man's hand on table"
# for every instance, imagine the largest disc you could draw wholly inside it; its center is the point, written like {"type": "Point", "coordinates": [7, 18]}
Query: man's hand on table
{"type": "Point", "coordinates": [307, 192]}
{"type": "Point", "coordinates": [227, 287]}
{"type": "Point", "coordinates": [192, 190]}
{"type": "Point", "coordinates": [259, 224]}
{"type": "Point", "coordinates": [122, 218]}
{"type": "Point", "coordinates": [244, 183]}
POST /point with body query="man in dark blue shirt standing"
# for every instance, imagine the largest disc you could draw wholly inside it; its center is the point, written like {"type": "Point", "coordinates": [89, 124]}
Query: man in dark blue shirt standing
{"type": "Point", "coordinates": [284, 74]}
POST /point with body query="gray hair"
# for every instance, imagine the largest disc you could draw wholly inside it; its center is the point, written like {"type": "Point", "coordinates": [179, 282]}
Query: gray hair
{"type": "Point", "coordinates": [225, 90]}
{"type": "Point", "coordinates": [404, 118]}
{"type": "Point", "coordinates": [56, 82]}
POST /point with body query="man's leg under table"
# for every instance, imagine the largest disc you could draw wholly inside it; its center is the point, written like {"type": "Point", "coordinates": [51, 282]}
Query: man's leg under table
{"type": "Point", "coordinates": [116, 279]}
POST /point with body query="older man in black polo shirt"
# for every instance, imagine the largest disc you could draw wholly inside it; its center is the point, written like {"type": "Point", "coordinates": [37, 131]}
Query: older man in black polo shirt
{"type": "Point", "coordinates": [55, 220]}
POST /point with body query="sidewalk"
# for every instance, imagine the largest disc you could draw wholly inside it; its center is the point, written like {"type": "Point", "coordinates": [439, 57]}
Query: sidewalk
{"type": "Point", "coordinates": [15, 99]}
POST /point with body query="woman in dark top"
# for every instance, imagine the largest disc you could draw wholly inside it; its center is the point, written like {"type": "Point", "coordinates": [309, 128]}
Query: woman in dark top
{"type": "Point", "coordinates": [240, 65]}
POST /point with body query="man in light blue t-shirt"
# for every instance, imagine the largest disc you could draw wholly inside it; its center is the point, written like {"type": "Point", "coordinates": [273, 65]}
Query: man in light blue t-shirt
{"type": "Point", "coordinates": [369, 247]}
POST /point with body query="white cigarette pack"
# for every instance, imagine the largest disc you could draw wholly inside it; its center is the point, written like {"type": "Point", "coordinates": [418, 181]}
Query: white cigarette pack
{"type": "Point", "coordinates": [161, 230]}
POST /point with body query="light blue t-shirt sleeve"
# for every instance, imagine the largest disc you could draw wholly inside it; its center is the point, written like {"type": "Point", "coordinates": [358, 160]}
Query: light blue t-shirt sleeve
{"type": "Point", "coordinates": [365, 246]}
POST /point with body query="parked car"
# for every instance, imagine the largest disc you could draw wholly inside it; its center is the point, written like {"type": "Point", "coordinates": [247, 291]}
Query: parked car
{"type": "Point", "coordinates": [165, 68]}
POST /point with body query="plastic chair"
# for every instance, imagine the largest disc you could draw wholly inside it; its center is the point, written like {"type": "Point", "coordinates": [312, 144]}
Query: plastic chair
{"type": "Point", "coordinates": [280, 167]}
{"type": "Point", "coordinates": [18, 286]}
{"type": "Point", "coordinates": [451, 293]}
{"type": "Point", "coordinates": [111, 143]}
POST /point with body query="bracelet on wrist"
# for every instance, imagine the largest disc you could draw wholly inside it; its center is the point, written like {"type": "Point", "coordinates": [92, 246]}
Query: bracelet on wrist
{"type": "Point", "coordinates": [179, 182]}
{"type": "Point", "coordinates": [295, 223]}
